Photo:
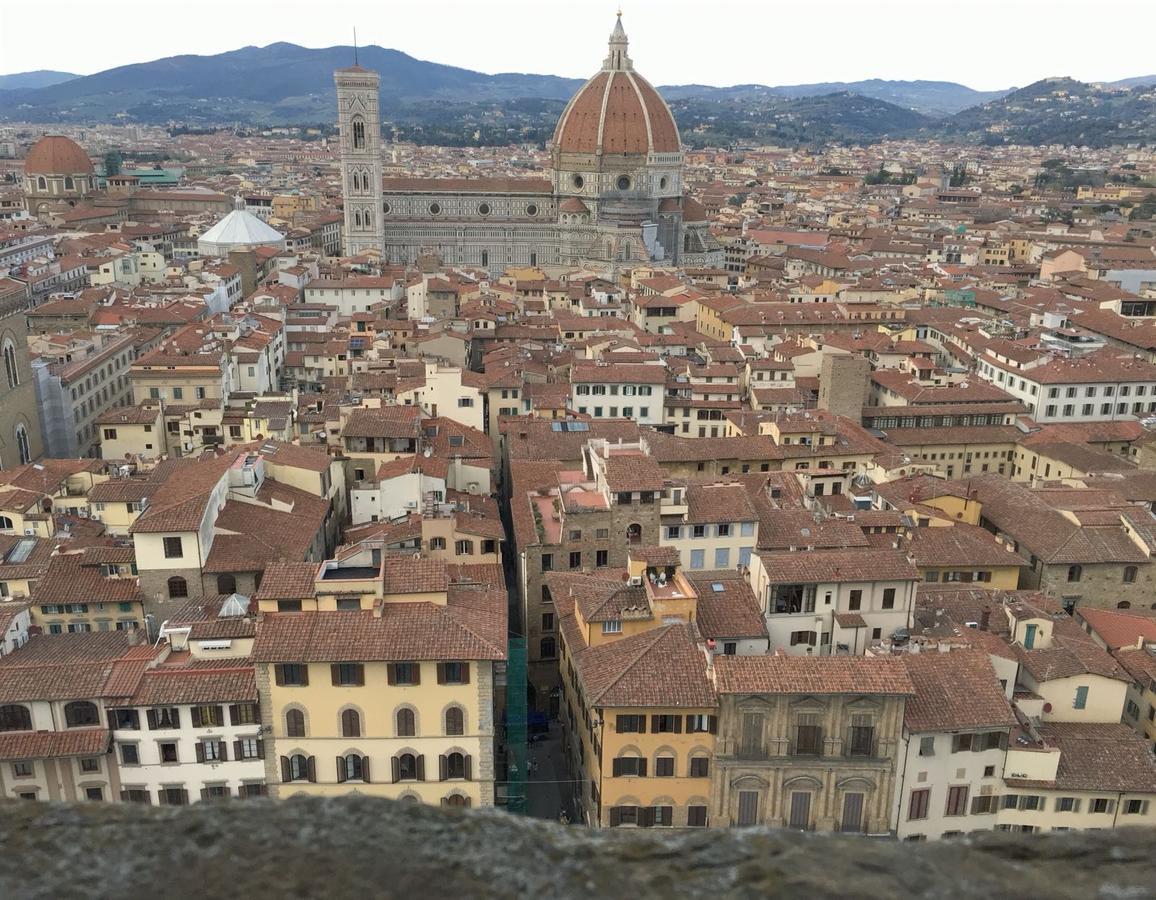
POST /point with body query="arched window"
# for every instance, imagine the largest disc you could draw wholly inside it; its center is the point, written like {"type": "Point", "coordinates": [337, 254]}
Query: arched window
{"type": "Point", "coordinates": [23, 448]}
{"type": "Point", "coordinates": [350, 723]}
{"type": "Point", "coordinates": [406, 723]}
{"type": "Point", "coordinates": [458, 800]}
{"type": "Point", "coordinates": [298, 767]}
{"type": "Point", "coordinates": [295, 723]}
{"type": "Point", "coordinates": [226, 584]}
{"type": "Point", "coordinates": [357, 218]}
{"type": "Point", "coordinates": [358, 134]}
{"type": "Point", "coordinates": [634, 533]}
{"type": "Point", "coordinates": [485, 257]}
{"type": "Point", "coordinates": [5, 523]}
{"type": "Point", "coordinates": [351, 767]}
{"type": "Point", "coordinates": [80, 713]}
{"type": "Point", "coordinates": [1130, 574]}
{"type": "Point", "coordinates": [178, 588]}
{"type": "Point", "coordinates": [68, 183]}
{"type": "Point", "coordinates": [42, 183]}
{"type": "Point", "coordinates": [14, 717]}
{"type": "Point", "coordinates": [547, 648]}
{"type": "Point", "coordinates": [405, 767]}
{"type": "Point", "coordinates": [10, 370]}
{"type": "Point", "coordinates": [455, 720]}
{"type": "Point", "coordinates": [1123, 604]}
{"type": "Point", "coordinates": [1075, 573]}
{"type": "Point", "coordinates": [455, 766]}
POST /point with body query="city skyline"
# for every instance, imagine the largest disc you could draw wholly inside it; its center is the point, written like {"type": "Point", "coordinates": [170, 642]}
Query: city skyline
{"type": "Point", "coordinates": [874, 42]}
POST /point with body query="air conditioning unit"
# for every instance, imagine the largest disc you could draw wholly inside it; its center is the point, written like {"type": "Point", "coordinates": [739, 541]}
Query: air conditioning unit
{"type": "Point", "coordinates": [411, 504]}
{"type": "Point", "coordinates": [31, 532]}
{"type": "Point", "coordinates": [636, 580]}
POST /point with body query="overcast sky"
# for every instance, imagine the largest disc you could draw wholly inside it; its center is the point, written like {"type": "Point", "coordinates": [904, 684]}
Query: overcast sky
{"type": "Point", "coordinates": [987, 44]}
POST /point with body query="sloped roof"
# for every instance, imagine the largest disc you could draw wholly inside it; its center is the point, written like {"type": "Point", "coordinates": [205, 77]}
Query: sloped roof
{"type": "Point", "coordinates": [241, 228]}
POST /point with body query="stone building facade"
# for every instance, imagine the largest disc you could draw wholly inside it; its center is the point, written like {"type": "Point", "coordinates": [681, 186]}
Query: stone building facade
{"type": "Point", "coordinates": [20, 438]}
{"type": "Point", "coordinates": [614, 197]}
{"type": "Point", "coordinates": [807, 743]}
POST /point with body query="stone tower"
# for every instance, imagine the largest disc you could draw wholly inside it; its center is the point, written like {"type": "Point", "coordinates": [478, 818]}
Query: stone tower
{"type": "Point", "coordinates": [360, 125]}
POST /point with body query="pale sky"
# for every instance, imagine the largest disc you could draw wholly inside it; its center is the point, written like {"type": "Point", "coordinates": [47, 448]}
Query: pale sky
{"type": "Point", "coordinates": [986, 44]}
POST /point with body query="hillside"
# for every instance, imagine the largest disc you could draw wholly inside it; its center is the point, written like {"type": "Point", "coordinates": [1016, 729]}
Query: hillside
{"type": "Point", "coordinates": [433, 103]}
{"type": "Point", "coordinates": [933, 98]}
{"type": "Point", "coordinates": [1059, 111]}
{"type": "Point", "coordinates": [38, 79]}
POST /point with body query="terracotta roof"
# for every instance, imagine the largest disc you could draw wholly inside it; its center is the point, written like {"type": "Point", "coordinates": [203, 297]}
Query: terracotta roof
{"type": "Point", "coordinates": [633, 473]}
{"type": "Point", "coordinates": [732, 612]}
{"type": "Point", "coordinates": [811, 675]}
{"type": "Point", "coordinates": [838, 566]}
{"type": "Point", "coordinates": [179, 503]}
{"type": "Point", "coordinates": [54, 744]}
{"type": "Point", "coordinates": [662, 667]}
{"type": "Point", "coordinates": [1120, 627]}
{"type": "Point", "coordinates": [1108, 757]}
{"type": "Point", "coordinates": [287, 580]}
{"type": "Point", "coordinates": [954, 691]}
{"type": "Point", "coordinates": [74, 578]}
{"type": "Point", "coordinates": [197, 681]}
{"type": "Point", "coordinates": [404, 631]}
{"type": "Point", "coordinates": [55, 154]}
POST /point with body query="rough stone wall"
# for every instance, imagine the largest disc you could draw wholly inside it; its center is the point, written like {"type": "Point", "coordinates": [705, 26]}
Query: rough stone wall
{"type": "Point", "coordinates": [361, 847]}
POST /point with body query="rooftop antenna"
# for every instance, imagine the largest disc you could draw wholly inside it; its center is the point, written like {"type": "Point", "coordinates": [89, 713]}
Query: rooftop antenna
{"type": "Point", "coordinates": [355, 46]}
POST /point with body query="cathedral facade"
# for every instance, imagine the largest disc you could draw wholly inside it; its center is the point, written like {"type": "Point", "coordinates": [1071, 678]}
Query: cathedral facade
{"type": "Point", "coordinates": [615, 195]}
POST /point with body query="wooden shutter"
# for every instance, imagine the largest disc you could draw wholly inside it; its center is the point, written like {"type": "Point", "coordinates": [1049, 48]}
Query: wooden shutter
{"type": "Point", "coordinates": [677, 724]}
{"type": "Point", "coordinates": [279, 674]}
{"type": "Point", "coordinates": [200, 752]}
{"type": "Point", "coordinates": [469, 770]}
{"type": "Point", "coordinates": [712, 726]}
{"type": "Point", "coordinates": [359, 674]}
{"type": "Point", "coordinates": [260, 749]}
{"type": "Point", "coordinates": [391, 675]}
{"type": "Point", "coordinates": [465, 672]}
{"type": "Point", "coordinates": [416, 672]}
{"type": "Point", "coordinates": [619, 722]}
{"type": "Point", "coordinates": [365, 769]}
{"type": "Point", "coordinates": [335, 673]}
{"type": "Point", "coordinates": [396, 766]}
{"type": "Point", "coordinates": [151, 715]}
{"type": "Point", "coordinates": [204, 793]}
{"type": "Point", "coordinates": [443, 764]}
{"type": "Point", "coordinates": [341, 770]}
{"type": "Point", "coordinates": [421, 767]}
{"type": "Point", "coordinates": [667, 816]}
{"type": "Point", "coordinates": [238, 750]}
{"type": "Point", "coordinates": [646, 816]}
{"type": "Point", "coordinates": [218, 716]}
{"type": "Point", "coordinates": [223, 751]}
{"type": "Point", "coordinates": [616, 767]}
{"type": "Point", "coordinates": [654, 723]}
{"type": "Point", "coordinates": [286, 775]}
{"type": "Point", "coordinates": [234, 713]}
{"type": "Point", "coordinates": [441, 667]}
{"type": "Point", "coordinates": [642, 768]}
{"type": "Point", "coordinates": [124, 797]}
{"type": "Point", "coordinates": [311, 769]}
{"type": "Point", "coordinates": [196, 717]}
{"type": "Point", "coordinates": [615, 816]}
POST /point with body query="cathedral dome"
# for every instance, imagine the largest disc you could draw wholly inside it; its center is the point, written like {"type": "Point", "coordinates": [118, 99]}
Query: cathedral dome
{"type": "Point", "coordinates": [617, 111]}
{"type": "Point", "coordinates": [54, 154]}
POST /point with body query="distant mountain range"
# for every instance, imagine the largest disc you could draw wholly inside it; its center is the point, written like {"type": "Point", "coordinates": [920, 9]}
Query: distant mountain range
{"type": "Point", "coordinates": [38, 79]}
{"type": "Point", "coordinates": [433, 103]}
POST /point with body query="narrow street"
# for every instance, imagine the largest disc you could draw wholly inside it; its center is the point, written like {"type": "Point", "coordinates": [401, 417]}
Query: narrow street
{"type": "Point", "coordinates": [548, 790]}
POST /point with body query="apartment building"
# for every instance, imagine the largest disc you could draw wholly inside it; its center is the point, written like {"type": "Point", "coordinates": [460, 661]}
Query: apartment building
{"type": "Point", "coordinates": [825, 602]}
{"type": "Point", "coordinates": [712, 525]}
{"type": "Point", "coordinates": [956, 732]}
{"type": "Point", "coordinates": [1099, 387]}
{"type": "Point", "coordinates": [73, 396]}
{"type": "Point", "coordinates": [605, 390]}
{"type": "Point", "coordinates": [384, 682]}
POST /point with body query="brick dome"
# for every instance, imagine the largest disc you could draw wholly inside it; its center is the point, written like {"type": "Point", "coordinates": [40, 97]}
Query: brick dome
{"type": "Point", "coordinates": [617, 111]}
{"type": "Point", "coordinates": [55, 154]}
